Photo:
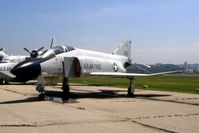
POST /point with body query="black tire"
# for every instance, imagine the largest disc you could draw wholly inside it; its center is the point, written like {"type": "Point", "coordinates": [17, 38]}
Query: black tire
{"type": "Point", "coordinates": [1, 81]}
{"type": "Point", "coordinates": [130, 94]}
{"type": "Point", "coordinates": [6, 82]}
{"type": "Point", "coordinates": [41, 97]}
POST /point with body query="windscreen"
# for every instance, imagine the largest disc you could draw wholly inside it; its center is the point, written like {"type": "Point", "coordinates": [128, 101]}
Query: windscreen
{"type": "Point", "coordinates": [56, 50]}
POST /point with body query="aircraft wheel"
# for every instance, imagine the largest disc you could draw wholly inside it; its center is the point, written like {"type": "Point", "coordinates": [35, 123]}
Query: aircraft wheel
{"type": "Point", "coordinates": [1, 81]}
{"type": "Point", "coordinates": [41, 97]}
{"type": "Point", "coordinates": [130, 94]}
{"type": "Point", "coordinates": [6, 82]}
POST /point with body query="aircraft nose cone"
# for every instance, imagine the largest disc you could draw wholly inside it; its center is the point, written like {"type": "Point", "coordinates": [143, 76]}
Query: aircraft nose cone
{"type": "Point", "coordinates": [25, 71]}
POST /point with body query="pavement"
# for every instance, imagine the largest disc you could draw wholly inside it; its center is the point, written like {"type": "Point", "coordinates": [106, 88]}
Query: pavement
{"type": "Point", "coordinates": [96, 109]}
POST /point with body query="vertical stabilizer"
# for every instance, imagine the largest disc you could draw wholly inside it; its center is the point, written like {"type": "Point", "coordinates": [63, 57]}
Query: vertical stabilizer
{"type": "Point", "coordinates": [1, 49]}
{"type": "Point", "coordinates": [2, 53]}
{"type": "Point", "coordinates": [124, 49]}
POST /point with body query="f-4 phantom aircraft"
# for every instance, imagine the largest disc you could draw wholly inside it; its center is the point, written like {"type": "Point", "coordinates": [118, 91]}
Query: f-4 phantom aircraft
{"type": "Point", "coordinates": [66, 62]}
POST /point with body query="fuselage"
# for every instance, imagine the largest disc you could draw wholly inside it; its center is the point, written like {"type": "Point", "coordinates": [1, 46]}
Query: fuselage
{"type": "Point", "coordinates": [7, 66]}
{"type": "Point", "coordinates": [13, 59]}
{"type": "Point", "coordinates": [90, 61]}
{"type": "Point", "coordinates": [52, 63]}
{"type": "Point", "coordinates": [8, 63]}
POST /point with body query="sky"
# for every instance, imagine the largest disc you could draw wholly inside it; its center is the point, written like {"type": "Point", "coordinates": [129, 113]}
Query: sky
{"type": "Point", "coordinates": [162, 31]}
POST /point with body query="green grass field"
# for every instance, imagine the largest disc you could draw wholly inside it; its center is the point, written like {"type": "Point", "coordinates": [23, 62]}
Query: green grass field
{"type": "Point", "coordinates": [173, 83]}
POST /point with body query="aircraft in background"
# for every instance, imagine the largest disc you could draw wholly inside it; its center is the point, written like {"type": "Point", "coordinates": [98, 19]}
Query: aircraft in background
{"type": "Point", "coordinates": [66, 62]}
{"type": "Point", "coordinates": [7, 62]}
{"type": "Point", "coordinates": [19, 58]}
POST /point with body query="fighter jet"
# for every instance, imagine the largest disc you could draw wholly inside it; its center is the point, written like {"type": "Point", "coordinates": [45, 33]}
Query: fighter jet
{"type": "Point", "coordinates": [67, 62]}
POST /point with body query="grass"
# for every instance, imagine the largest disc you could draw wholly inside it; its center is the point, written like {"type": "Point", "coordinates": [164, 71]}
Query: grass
{"type": "Point", "coordinates": [172, 83]}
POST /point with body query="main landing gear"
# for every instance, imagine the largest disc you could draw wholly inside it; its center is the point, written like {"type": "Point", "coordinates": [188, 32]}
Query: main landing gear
{"type": "Point", "coordinates": [66, 89]}
{"type": "Point", "coordinates": [3, 82]}
{"type": "Point", "coordinates": [131, 89]}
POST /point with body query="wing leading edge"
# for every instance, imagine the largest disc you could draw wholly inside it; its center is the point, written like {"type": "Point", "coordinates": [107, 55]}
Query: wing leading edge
{"type": "Point", "coordinates": [6, 75]}
{"type": "Point", "coordinates": [119, 74]}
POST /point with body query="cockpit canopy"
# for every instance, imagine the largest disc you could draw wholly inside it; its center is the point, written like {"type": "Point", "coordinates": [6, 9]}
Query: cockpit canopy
{"type": "Point", "coordinates": [56, 50]}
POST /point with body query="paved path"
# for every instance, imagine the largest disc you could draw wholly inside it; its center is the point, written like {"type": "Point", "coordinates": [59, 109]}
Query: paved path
{"type": "Point", "coordinates": [97, 109]}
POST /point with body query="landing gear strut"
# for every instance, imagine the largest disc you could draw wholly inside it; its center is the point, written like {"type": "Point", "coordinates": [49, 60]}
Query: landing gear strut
{"type": "Point", "coordinates": [6, 82]}
{"type": "Point", "coordinates": [65, 88]}
{"type": "Point", "coordinates": [3, 82]}
{"type": "Point", "coordinates": [131, 88]}
{"type": "Point", "coordinates": [41, 89]}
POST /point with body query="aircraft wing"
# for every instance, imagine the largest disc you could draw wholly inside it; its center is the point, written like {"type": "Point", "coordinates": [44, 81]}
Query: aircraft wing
{"type": "Point", "coordinates": [6, 75]}
{"type": "Point", "coordinates": [119, 74]}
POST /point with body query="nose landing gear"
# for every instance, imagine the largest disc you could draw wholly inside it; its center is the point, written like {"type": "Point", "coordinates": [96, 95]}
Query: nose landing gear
{"type": "Point", "coordinates": [41, 89]}
{"type": "Point", "coordinates": [65, 87]}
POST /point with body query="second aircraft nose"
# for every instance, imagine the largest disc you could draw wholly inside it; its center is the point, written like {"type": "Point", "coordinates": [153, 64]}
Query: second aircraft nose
{"type": "Point", "coordinates": [27, 70]}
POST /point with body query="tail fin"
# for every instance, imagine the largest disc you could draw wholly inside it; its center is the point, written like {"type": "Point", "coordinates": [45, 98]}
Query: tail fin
{"type": "Point", "coordinates": [124, 49]}
{"type": "Point", "coordinates": [2, 53]}
{"type": "Point", "coordinates": [1, 49]}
